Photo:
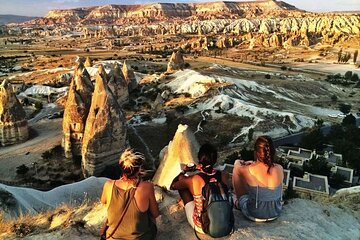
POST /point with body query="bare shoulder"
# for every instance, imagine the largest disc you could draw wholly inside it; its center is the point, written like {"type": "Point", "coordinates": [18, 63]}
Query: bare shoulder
{"type": "Point", "coordinates": [146, 185]}
{"type": "Point", "coordinates": [279, 167]}
{"type": "Point", "coordinates": [108, 183]}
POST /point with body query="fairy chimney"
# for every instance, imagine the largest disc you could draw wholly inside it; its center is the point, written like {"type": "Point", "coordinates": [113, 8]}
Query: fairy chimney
{"type": "Point", "coordinates": [76, 111]}
{"type": "Point", "coordinates": [13, 125]}
{"type": "Point", "coordinates": [129, 77]}
{"type": "Point", "coordinates": [105, 130]}
{"type": "Point", "coordinates": [88, 62]}
{"type": "Point", "coordinates": [118, 85]}
{"type": "Point", "coordinates": [176, 62]}
{"type": "Point", "coordinates": [182, 149]}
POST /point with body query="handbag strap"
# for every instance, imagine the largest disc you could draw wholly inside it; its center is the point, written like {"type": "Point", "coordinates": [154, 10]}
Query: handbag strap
{"type": "Point", "coordinates": [132, 194]}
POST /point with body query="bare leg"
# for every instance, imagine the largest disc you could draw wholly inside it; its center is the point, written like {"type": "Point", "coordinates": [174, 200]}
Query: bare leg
{"type": "Point", "coordinates": [186, 196]}
{"type": "Point", "coordinates": [239, 182]}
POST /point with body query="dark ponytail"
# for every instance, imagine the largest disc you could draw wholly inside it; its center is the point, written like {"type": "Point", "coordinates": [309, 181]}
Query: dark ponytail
{"type": "Point", "coordinates": [207, 156]}
{"type": "Point", "coordinates": [265, 151]}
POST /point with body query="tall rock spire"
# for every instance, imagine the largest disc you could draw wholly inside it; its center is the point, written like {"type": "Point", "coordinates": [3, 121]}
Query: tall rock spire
{"type": "Point", "coordinates": [105, 130]}
{"type": "Point", "coordinates": [182, 149]}
{"type": "Point", "coordinates": [76, 111]}
{"type": "Point", "coordinates": [129, 77]}
{"type": "Point", "coordinates": [118, 85]}
{"type": "Point", "coordinates": [13, 125]}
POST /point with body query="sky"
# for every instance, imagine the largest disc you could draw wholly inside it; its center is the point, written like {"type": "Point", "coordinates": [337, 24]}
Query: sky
{"type": "Point", "coordinates": [41, 7]}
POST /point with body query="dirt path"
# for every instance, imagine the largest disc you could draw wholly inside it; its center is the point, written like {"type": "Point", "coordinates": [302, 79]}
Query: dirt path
{"type": "Point", "coordinates": [48, 135]}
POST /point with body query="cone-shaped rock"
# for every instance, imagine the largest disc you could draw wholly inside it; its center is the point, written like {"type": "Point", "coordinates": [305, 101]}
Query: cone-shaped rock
{"type": "Point", "coordinates": [129, 77]}
{"type": "Point", "coordinates": [76, 111]}
{"type": "Point", "coordinates": [176, 62]}
{"type": "Point", "coordinates": [88, 62]}
{"type": "Point", "coordinates": [105, 130]}
{"type": "Point", "coordinates": [182, 149]}
{"type": "Point", "coordinates": [13, 125]}
{"type": "Point", "coordinates": [118, 85]}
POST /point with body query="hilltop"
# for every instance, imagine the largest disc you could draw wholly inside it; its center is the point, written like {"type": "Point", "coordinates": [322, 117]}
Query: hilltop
{"type": "Point", "coordinates": [337, 218]}
{"type": "Point", "coordinates": [163, 11]}
{"type": "Point", "coordinates": [6, 19]}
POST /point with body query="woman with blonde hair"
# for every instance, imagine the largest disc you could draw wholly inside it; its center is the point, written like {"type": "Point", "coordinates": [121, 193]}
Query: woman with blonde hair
{"type": "Point", "coordinates": [131, 205]}
{"type": "Point", "coordinates": [258, 184]}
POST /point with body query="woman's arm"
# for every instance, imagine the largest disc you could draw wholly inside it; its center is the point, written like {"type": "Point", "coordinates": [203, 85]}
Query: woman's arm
{"type": "Point", "coordinates": [153, 206]}
{"type": "Point", "coordinates": [181, 182]}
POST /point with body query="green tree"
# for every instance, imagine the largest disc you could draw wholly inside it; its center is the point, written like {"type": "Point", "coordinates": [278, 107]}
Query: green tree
{"type": "Point", "coordinates": [355, 77]}
{"type": "Point", "coordinates": [313, 139]}
{"type": "Point", "coordinates": [348, 75]}
{"type": "Point", "coordinates": [349, 120]}
{"type": "Point", "coordinates": [345, 108]}
{"type": "Point", "coordinates": [334, 98]}
{"type": "Point", "coordinates": [318, 165]}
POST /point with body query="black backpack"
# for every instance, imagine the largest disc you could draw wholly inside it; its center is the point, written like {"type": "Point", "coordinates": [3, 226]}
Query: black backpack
{"type": "Point", "coordinates": [217, 217]}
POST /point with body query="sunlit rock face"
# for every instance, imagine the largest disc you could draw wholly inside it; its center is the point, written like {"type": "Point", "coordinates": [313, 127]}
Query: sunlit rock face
{"type": "Point", "coordinates": [176, 62]}
{"type": "Point", "coordinates": [118, 85]}
{"type": "Point", "coordinates": [129, 76]}
{"type": "Point", "coordinates": [76, 112]}
{"type": "Point", "coordinates": [182, 149]}
{"type": "Point", "coordinates": [105, 130]}
{"type": "Point", "coordinates": [13, 125]}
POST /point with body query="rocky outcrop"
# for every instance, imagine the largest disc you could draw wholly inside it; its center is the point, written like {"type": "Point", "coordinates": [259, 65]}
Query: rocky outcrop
{"type": "Point", "coordinates": [118, 85]}
{"type": "Point", "coordinates": [88, 62]}
{"type": "Point", "coordinates": [176, 62]}
{"type": "Point", "coordinates": [105, 130]}
{"type": "Point", "coordinates": [162, 11]}
{"type": "Point", "coordinates": [129, 77]}
{"type": "Point", "coordinates": [13, 125]}
{"type": "Point", "coordinates": [182, 149]}
{"type": "Point", "coordinates": [76, 112]}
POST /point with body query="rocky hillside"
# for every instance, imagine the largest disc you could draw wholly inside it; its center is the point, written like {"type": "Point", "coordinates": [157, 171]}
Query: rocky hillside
{"type": "Point", "coordinates": [161, 11]}
{"type": "Point", "coordinates": [338, 218]}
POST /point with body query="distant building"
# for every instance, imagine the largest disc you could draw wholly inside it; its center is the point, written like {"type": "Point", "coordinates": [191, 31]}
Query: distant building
{"type": "Point", "coordinates": [300, 156]}
{"type": "Point", "coordinates": [312, 184]}
{"type": "Point", "coordinates": [347, 173]}
{"type": "Point", "coordinates": [333, 159]}
{"type": "Point", "coordinates": [286, 179]}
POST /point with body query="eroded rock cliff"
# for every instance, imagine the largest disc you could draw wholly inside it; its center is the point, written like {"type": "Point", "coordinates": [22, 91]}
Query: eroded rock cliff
{"type": "Point", "coordinates": [105, 130]}
{"type": "Point", "coordinates": [13, 125]}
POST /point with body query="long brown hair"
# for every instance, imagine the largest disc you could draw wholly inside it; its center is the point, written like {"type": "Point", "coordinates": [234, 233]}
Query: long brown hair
{"type": "Point", "coordinates": [265, 151]}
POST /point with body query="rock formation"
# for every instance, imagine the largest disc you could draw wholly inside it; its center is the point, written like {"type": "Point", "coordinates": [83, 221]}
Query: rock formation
{"type": "Point", "coordinates": [176, 62]}
{"type": "Point", "coordinates": [182, 149]}
{"type": "Point", "coordinates": [76, 111]}
{"type": "Point", "coordinates": [88, 62]}
{"type": "Point", "coordinates": [118, 85]}
{"type": "Point", "coordinates": [129, 76]}
{"type": "Point", "coordinates": [105, 130]}
{"type": "Point", "coordinates": [13, 125]}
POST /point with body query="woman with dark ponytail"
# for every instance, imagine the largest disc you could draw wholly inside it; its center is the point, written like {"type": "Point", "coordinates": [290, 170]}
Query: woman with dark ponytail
{"type": "Point", "coordinates": [258, 184]}
{"type": "Point", "coordinates": [190, 187]}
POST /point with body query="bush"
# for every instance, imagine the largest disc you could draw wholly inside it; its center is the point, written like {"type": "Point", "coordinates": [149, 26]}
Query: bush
{"type": "Point", "coordinates": [334, 98]}
{"type": "Point", "coordinates": [230, 159]}
{"type": "Point", "coordinates": [348, 75]}
{"type": "Point", "coordinates": [38, 105]}
{"type": "Point", "coordinates": [22, 169]}
{"type": "Point", "coordinates": [267, 76]}
{"type": "Point", "coordinates": [46, 155]}
{"type": "Point", "coordinates": [355, 77]}
{"type": "Point", "coordinates": [284, 68]}
{"type": "Point", "coordinates": [345, 108]}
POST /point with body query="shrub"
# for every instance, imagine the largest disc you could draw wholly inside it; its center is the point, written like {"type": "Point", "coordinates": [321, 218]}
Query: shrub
{"type": "Point", "coordinates": [267, 76]}
{"type": "Point", "coordinates": [355, 77]}
{"type": "Point", "coordinates": [38, 105]}
{"type": "Point", "coordinates": [22, 169]}
{"type": "Point", "coordinates": [348, 75]}
{"type": "Point", "coordinates": [334, 98]}
{"type": "Point", "coordinates": [284, 68]}
{"type": "Point", "coordinates": [46, 155]}
{"type": "Point", "coordinates": [345, 108]}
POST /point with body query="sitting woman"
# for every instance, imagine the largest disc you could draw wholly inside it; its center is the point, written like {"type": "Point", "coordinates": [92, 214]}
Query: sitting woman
{"type": "Point", "coordinates": [190, 187]}
{"type": "Point", "coordinates": [131, 198]}
{"type": "Point", "coordinates": [258, 185]}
